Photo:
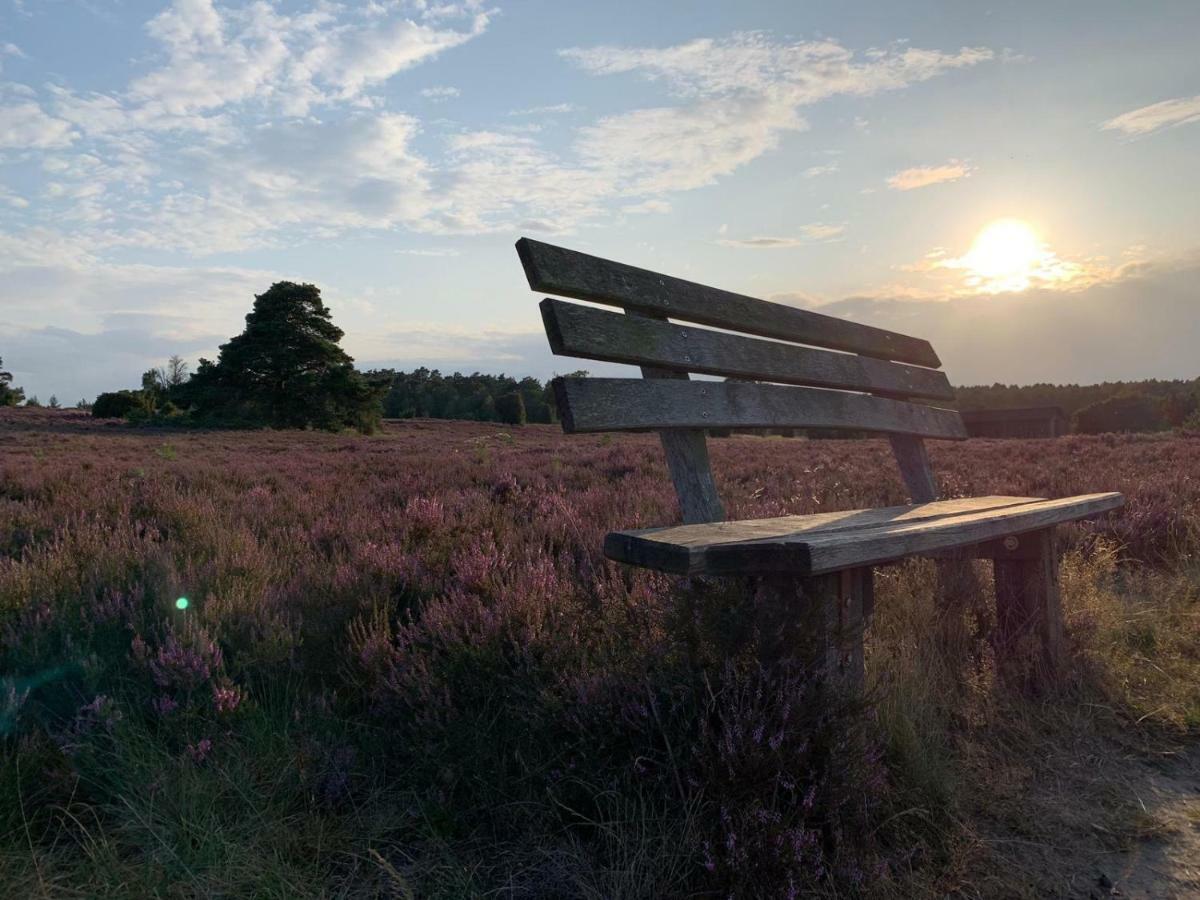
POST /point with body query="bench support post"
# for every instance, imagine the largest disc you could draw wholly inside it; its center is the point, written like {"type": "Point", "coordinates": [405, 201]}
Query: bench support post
{"type": "Point", "coordinates": [817, 621]}
{"type": "Point", "coordinates": [1028, 605]}
{"type": "Point", "coordinates": [958, 585]}
{"type": "Point", "coordinates": [687, 459]}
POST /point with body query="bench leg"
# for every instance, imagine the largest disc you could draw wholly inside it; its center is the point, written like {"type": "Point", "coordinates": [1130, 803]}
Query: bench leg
{"type": "Point", "coordinates": [958, 592]}
{"type": "Point", "coordinates": [818, 621]}
{"type": "Point", "coordinates": [1028, 606]}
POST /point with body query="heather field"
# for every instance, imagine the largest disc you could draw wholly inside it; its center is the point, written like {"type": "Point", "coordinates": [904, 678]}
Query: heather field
{"type": "Point", "coordinates": [404, 669]}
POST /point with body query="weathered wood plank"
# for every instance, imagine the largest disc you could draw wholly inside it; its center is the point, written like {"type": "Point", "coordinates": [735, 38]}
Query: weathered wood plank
{"type": "Point", "coordinates": [685, 545]}
{"type": "Point", "coordinates": [832, 552]}
{"type": "Point", "coordinates": [818, 524]}
{"type": "Point", "coordinates": [590, 333]}
{"type": "Point", "coordinates": [916, 471]}
{"type": "Point", "coordinates": [686, 451]}
{"type": "Point", "coordinates": [1029, 638]}
{"type": "Point", "coordinates": [816, 552]}
{"type": "Point", "coordinates": [621, 404]}
{"type": "Point", "coordinates": [568, 273]}
{"type": "Point", "coordinates": [816, 622]}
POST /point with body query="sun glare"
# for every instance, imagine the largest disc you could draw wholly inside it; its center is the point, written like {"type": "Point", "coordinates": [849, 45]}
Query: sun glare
{"type": "Point", "coordinates": [1006, 256]}
{"type": "Point", "coordinates": [1009, 255]}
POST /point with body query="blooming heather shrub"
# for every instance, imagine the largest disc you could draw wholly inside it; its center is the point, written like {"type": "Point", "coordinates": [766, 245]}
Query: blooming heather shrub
{"type": "Point", "coordinates": [794, 774]}
{"type": "Point", "coordinates": [423, 621]}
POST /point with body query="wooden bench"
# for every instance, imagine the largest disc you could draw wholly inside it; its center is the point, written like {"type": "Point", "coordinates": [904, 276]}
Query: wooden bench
{"type": "Point", "coordinates": [815, 571]}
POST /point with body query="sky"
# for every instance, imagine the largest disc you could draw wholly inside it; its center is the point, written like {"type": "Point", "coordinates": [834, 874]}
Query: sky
{"type": "Point", "coordinates": [1016, 182]}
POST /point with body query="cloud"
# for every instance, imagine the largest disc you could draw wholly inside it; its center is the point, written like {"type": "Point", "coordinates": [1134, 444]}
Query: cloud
{"type": "Point", "coordinates": [818, 171]}
{"type": "Point", "coordinates": [822, 232]}
{"type": "Point", "coordinates": [124, 318]}
{"type": "Point", "coordinates": [814, 233]}
{"type": "Point", "coordinates": [741, 95]}
{"type": "Point", "coordinates": [668, 149]}
{"type": "Point", "coordinates": [1156, 116]}
{"type": "Point", "coordinates": [430, 251]}
{"type": "Point", "coordinates": [13, 199]}
{"type": "Point", "coordinates": [552, 110]}
{"type": "Point", "coordinates": [258, 125]}
{"type": "Point", "coordinates": [440, 93]}
{"type": "Point", "coordinates": [798, 72]}
{"type": "Point", "coordinates": [25, 126]}
{"type": "Point", "coordinates": [326, 54]}
{"type": "Point", "coordinates": [647, 206]}
{"type": "Point", "coordinates": [361, 57]}
{"type": "Point", "coordinates": [924, 176]}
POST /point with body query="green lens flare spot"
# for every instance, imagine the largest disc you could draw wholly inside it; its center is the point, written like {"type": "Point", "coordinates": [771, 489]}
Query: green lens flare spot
{"type": "Point", "coordinates": [181, 603]}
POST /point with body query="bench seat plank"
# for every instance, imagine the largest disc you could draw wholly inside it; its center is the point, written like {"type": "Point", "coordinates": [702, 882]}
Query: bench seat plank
{"type": "Point", "coordinates": [830, 542]}
{"type": "Point", "coordinates": [630, 404]}
{"type": "Point", "coordinates": [589, 333]}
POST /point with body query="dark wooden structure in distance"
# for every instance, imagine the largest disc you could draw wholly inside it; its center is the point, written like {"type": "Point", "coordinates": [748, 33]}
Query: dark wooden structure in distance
{"type": "Point", "coordinates": [1022, 422]}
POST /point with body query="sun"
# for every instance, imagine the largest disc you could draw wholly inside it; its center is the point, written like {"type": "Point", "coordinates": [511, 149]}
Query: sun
{"type": "Point", "coordinates": [1006, 256]}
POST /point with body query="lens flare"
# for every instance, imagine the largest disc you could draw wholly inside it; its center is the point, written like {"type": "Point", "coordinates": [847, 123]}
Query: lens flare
{"type": "Point", "coordinates": [181, 603]}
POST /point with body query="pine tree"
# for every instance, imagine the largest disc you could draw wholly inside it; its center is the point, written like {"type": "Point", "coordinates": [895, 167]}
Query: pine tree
{"type": "Point", "coordinates": [285, 370]}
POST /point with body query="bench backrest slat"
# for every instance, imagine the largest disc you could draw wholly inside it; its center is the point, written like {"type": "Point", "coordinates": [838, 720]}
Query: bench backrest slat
{"type": "Point", "coordinates": [589, 333]}
{"type": "Point", "coordinates": [631, 404]}
{"type": "Point", "coordinates": [568, 273]}
{"type": "Point", "coordinates": [858, 389]}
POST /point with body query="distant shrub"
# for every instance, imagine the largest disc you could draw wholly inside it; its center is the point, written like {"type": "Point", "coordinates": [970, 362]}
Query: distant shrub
{"type": "Point", "coordinates": [1125, 412]}
{"type": "Point", "coordinates": [119, 404]}
{"type": "Point", "coordinates": [9, 395]}
{"type": "Point", "coordinates": [510, 408]}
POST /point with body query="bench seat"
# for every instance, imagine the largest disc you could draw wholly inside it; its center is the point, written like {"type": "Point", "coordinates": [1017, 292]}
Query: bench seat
{"type": "Point", "coordinates": [830, 542]}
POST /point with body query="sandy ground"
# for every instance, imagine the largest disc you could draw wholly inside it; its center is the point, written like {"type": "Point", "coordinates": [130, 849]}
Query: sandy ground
{"type": "Point", "coordinates": [1165, 863]}
{"type": "Point", "coordinates": [1092, 820]}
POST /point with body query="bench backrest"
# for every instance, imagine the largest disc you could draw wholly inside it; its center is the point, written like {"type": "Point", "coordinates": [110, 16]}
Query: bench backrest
{"type": "Point", "coordinates": [861, 382]}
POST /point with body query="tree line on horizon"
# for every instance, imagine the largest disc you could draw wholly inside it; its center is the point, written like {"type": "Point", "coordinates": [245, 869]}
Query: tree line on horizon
{"type": "Point", "coordinates": [288, 370]}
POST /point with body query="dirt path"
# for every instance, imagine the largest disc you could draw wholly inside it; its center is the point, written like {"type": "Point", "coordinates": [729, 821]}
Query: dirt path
{"type": "Point", "coordinates": [1094, 816]}
{"type": "Point", "coordinates": [1165, 863]}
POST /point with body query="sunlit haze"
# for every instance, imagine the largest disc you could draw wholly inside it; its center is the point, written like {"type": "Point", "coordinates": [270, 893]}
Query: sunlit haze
{"type": "Point", "coordinates": [978, 174]}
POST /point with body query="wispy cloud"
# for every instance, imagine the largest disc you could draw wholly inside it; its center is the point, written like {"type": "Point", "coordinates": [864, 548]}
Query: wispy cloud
{"type": "Point", "coordinates": [440, 93]}
{"type": "Point", "coordinates": [430, 251]}
{"type": "Point", "coordinates": [1148, 119]}
{"type": "Point", "coordinates": [553, 109]}
{"type": "Point", "coordinates": [285, 137]}
{"type": "Point", "coordinates": [924, 176]}
{"type": "Point", "coordinates": [739, 97]}
{"type": "Point", "coordinates": [12, 198]}
{"type": "Point", "coordinates": [818, 171]}
{"type": "Point", "coordinates": [809, 234]}
{"type": "Point", "coordinates": [654, 205]}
